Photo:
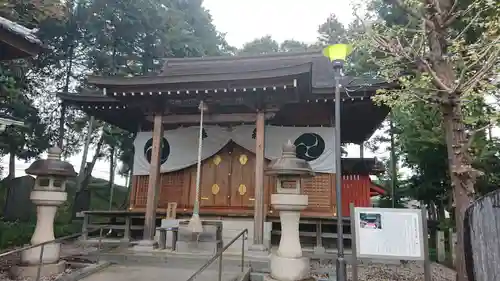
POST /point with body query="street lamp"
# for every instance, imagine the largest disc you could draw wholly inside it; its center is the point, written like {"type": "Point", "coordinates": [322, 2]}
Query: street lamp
{"type": "Point", "coordinates": [337, 54]}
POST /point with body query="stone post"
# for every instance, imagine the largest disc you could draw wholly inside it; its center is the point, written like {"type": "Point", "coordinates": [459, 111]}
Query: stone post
{"type": "Point", "coordinates": [288, 264]}
{"type": "Point", "coordinates": [48, 193]}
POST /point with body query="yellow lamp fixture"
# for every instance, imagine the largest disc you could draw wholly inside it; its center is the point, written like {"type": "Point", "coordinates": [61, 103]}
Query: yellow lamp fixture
{"type": "Point", "coordinates": [337, 53]}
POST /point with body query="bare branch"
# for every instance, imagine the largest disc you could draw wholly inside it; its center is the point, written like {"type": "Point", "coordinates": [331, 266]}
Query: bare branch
{"type": "Point", "coordinates": [467, 68]}
{"type": "Point", "coordinates": [487, 66]}
{"type": "Point", "coordinates": [472, 134]}
{"type": "Point", "coordinates": [469, 24]}
{"type": "Point", "coordinates": [435, 78]}
{"type": "Point", "coordinates": [452, 9]}
{"type": "Point", "coordinates": [411, 12]}
{"type": "Point", "coordinates": [454, 15]}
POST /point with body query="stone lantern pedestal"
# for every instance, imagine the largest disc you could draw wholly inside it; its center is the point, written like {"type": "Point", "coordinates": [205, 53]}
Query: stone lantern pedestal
{"type": "Point", "coordinates": [288, 264]}
{"type": "Point", "coordinates": [47, 195]}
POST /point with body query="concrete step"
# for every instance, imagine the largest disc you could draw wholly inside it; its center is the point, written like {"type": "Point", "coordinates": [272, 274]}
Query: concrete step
{"type": "Point", "coordinates": [171, 260]}
{"type": "Point", "coordinates": [134, 273]}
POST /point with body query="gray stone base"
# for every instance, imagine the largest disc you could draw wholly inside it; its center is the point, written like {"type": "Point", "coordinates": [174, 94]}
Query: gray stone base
{"type": "Point", "coordinates": [319, 250]}
{"type": "Point", "coordinates": [269, 278]}
{"type": "Point", "coordinates": [31, 271]}
{"type": "Point", "coordinates": [196, 247]}
{"type": "Point", "coordinates": [146, 246]}
{"type": "Point", "coordinates": [205, 242]}
{"type": "Point", "coordinates": [258, 250]}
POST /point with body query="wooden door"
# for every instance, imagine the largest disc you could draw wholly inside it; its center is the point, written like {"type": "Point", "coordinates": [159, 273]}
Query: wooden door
{"type": "Point", "coordinates": [242, 177]}
{"type": "Point", "coordinates": [214, 190]}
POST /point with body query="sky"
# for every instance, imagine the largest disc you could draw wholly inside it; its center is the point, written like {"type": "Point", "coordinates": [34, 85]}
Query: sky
{"type": "Point", "coordinates": [245, 20]}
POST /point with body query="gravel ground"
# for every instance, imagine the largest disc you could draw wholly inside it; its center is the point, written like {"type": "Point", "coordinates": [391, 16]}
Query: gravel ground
{"type": "Point", "coordinates": [411, 271]}
{"type": "Point", "coordinates": [67, 249]}
{"type": "Point", "coordinates": [5, 277]}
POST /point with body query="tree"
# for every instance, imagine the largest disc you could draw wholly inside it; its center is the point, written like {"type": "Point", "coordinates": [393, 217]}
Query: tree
{"type": "Point", "coordinates": [293, 46]}
{"type": "Point", "coordinates": [260, 46]}
{"type": "Point", "coordinates": [267, 45]}
{"type": "Point", "coordinates": [445, 67]}
{"type": "Point", "coordinates": [21, 91]}
{"type": "Point", "coordinates": [25, 142]}
{"type": "Point", "coordinates": [332, 31]}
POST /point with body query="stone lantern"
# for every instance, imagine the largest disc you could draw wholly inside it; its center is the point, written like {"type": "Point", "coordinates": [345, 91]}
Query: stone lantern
{"type": "Point", "coordinates": [288, 264]}
{"type": "Point", "coordinates": [47, 194]}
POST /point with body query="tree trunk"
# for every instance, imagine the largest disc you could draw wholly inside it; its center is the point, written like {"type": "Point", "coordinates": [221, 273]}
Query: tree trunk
{"type": "Point", "coordinates": [461, 174]}
{"type": "Point", "coordinates": [90, 167]}
{"type": "Point", "coordinates": [12, 166]}
{"type": "Point", "coordinates": [111, 176]}
{"type": "Point", "coordinates": [88, 138]}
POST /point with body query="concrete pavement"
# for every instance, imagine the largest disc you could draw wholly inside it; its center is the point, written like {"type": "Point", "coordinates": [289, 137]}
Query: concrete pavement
{"type": "Point", "coordinates": [153, 273]}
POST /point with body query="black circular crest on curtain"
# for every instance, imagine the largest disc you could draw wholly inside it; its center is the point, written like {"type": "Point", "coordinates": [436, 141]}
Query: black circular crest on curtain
{"type": "Point", "coordinates": [164, 151]}
{"type": "Point", "coordinates": [309, 146]}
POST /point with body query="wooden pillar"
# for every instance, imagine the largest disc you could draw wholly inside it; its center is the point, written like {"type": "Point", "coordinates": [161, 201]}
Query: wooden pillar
{"type": "Point", "coordinates": [154, 180]}
{"type": "Point", "coordinates": [258, 236]}
{"type": "Point", "coordinates": [362, 150]}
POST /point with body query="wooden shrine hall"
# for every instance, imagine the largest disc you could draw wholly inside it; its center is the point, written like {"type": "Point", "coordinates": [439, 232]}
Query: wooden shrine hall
{"type": "Point", "coordinates": [255, 104]}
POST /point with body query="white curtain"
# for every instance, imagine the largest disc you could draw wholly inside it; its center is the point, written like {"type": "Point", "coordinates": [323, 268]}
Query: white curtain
{"type": "Point", "coordinates": [183, 144]}
{"type": "Point", "coordinates": [315, 144]}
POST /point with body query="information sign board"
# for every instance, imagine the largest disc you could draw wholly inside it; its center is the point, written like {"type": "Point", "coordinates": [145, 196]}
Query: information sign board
{"type": "Point", "coordinates": [389, 233]}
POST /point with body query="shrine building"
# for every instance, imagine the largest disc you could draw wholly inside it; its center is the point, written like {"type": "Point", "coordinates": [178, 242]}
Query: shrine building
{"type": "Point", "coordinates": [255, 104]}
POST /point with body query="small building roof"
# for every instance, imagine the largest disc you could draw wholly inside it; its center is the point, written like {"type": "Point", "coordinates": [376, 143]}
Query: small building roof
{"type": "Point", "coordinates": [17, 41]}
{"type": "Point", "coordinates": [204, 73]}
{"type": "Point", "coordinates": [322, 73]}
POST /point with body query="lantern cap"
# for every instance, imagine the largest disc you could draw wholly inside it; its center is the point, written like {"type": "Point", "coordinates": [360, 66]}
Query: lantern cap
{"type": "Point", "coordinates": [337, 53]}
{"type": "Point", "coordinates": [203, 106]}
{"type": "Point", "coordinates": [288, 164]}
{"type": "Point", "coordinates": [52, 166]}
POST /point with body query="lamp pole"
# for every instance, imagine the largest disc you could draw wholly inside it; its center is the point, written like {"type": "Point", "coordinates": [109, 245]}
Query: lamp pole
{"type": "Point", "coordinates": [337, 54]}
{"type": "Point", "coordinates": [340, 265]}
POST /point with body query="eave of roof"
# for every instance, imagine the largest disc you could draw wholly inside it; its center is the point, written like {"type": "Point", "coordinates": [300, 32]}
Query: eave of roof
{"type": "Point", "coordinates": [27, 34]}
{"type": "Point", "coordinates": [200, 77]}
{"type": "Point", "coordinates": [127, 114]}
{"type": "Point", "coordinates": [17, 41]}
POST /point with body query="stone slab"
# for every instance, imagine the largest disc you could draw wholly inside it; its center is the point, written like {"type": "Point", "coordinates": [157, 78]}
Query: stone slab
{"type": "Point", "coordinates": [145, 246]}
{"type": "Point", "coordinates": [134, 273]}
{"type": "Point", "coordinates": [290, 269]}
{"type": "Point", "coordinates": [84, 272]}
{"type": "Point", "coordinates": [31, 271]}
{"type": "Point", "coordinates": [209, 234]}
{"type": "Point", "coordinates": [196, 247]}
{"type": "Point", "coordinates": [232, 227]}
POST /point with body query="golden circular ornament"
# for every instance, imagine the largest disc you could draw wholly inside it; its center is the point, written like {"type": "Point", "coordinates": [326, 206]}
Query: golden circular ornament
{"type": "Point", "coordinates": [243, 159]}
{"type": "Point", "coordinates": [242, 189]}
{"type": "Point", "coordinates": [215, 189]}
{"type": "Point", "coordinates": [217, 160]}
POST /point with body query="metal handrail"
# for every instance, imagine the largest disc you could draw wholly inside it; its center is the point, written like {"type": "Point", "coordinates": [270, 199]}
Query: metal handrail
{"type": "Point", "coordinates": [219, 253]}
{"type": "Point", "coordinates": [4, 254]}
{"type": "Point", "coordinates": [42, 245]}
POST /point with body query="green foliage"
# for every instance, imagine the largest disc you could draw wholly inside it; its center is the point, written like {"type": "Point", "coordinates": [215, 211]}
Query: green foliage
{"type": "Point", "coordinates": [260, 46]}
{"type": "Point", "coordinates": [19, 233]}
